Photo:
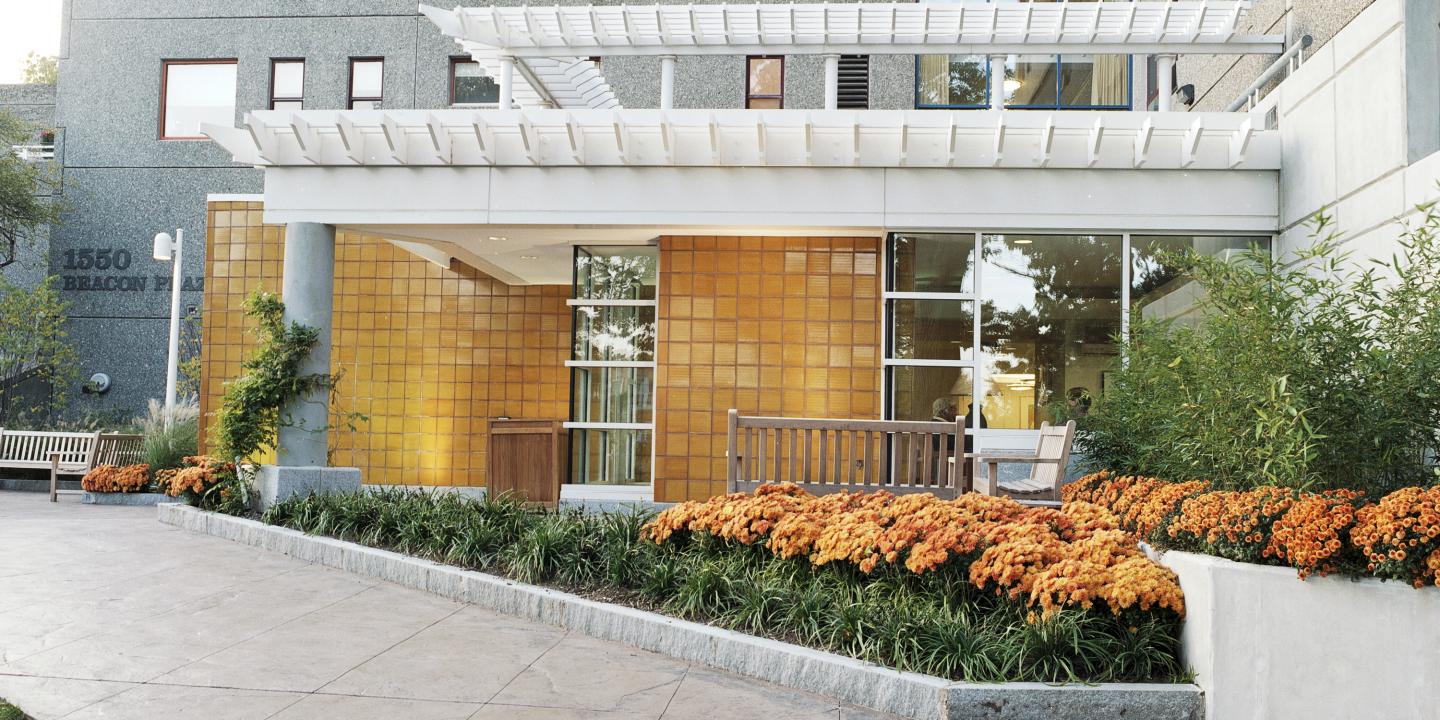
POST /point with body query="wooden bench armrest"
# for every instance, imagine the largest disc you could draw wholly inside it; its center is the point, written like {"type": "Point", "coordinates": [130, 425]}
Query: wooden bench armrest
{"type": "Point", "coordinates": [981, 457]}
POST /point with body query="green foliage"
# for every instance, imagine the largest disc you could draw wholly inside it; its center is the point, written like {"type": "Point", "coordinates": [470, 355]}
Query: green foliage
{"type": "Point", "coordinates": [170, 437]}
{"type": "Point", "coordinates": [33, 342]}
{"type": "Point", "coordinates": [252, 410]}
{"type": "Point", "coordinates": [43, 69]}
{"type": "Point", "coordinates": [25, 187]}
{"type": "Point", "coordinates": [935, 623]}
{"type": "Point", "coordinates": [10, 712]}
{"type": "Point", "coordinates": [1309, 371]}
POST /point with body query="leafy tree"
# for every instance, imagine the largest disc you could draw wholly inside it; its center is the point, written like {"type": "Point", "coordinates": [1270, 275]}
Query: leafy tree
{"type": "Point", "coordinates": [1306, 371]}
{"type": "Point", "coordinates": [33, 345]}
{"type": "Point", "coordinates": [43, 69]}
{"type": "Point", "coordinates": [26, 189]}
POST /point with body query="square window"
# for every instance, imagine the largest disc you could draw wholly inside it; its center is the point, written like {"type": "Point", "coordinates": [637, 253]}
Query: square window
{"type": "Point", "coordinates": [194, 92]}
{"type": "Point", "coordinates": [367, 76]}
{"type": "Point", "coordinates": [469, 85]}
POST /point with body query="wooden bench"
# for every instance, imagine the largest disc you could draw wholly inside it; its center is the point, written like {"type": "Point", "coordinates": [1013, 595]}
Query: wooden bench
{"type": "Point", "coordinates": [67, 453]}
{"type": "Point", "coordinates": [1047, 467]}
{"type": "Point", "coordinates": [826, 456]}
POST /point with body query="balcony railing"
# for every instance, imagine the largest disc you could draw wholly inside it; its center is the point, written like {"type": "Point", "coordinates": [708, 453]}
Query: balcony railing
{"type": "Point", "coordinates": [34, 153]}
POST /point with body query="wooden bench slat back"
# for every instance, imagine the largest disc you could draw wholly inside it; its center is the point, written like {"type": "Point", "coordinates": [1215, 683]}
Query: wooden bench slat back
{"type": "Point", "coordinates": [120, 450]}
{"type": "Point", "coordinates": [825, 456]}
{"type": "Point", "coordinates": [26, 448]}
{"type": "Point", "coordinates": [1054, 444]}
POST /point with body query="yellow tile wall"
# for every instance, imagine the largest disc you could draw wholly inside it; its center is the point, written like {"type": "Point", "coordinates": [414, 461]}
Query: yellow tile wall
{"type": "Point", "coordinates": [771, 326]}
{"type": "Point", "coordinates": [428, 353]}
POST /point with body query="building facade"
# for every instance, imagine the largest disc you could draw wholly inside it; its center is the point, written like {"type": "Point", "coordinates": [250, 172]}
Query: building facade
{"type": "Point", "coordinates": [635, 255]}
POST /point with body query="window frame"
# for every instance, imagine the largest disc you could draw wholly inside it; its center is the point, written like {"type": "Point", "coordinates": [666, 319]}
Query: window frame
{"type": "Point", "coordinates": [284, 61]}
{"type": "Point", "coordinates": [749, 97]}
{"type": "Point", "coordinates": [351, 97]}
{"type": "Point", "coordinates": [455, 62]}
{"type": "Point", "coordinates": [165, 65]}
{"type": "Point", "coordinates": [1059, 89]}
{"type": "Point", "coordinates": [951, 106]}
{"type": "Point", "coordinates": [976, 295]}
{"type": "Point", "coordinates": [574, 304]}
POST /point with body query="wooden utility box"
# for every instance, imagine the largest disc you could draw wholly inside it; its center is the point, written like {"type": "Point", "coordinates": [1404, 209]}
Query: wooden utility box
{"type": "Point", "coordinates": [527, 457]}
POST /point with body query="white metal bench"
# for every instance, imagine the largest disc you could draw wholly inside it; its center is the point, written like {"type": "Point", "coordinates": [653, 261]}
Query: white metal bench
{"type": "Point", "coordinates": [67, 453]}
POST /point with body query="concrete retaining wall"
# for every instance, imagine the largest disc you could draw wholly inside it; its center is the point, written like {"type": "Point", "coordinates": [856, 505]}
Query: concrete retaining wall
{"type": "Point", "coordinates": [908, 694]}
{"type": "Point", "coordinates": [1266, 646]}
{"type": "Point", "coordinates": [115, 498]}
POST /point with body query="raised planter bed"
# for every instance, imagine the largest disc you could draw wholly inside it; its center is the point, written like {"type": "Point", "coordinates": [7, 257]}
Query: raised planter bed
{"type": "Point", "coordinates": [1266, 646]}
{"type": "Point", "coordinates": [94, 498]}
{"type": "Point", "coordinates": [909, 694]}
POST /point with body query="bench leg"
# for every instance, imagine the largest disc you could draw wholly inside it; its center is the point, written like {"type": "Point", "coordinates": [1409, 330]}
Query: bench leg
{"type": "Point", "coordinates": [54, 476]}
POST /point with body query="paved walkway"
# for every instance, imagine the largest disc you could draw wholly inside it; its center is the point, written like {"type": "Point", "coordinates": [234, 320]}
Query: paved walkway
{"type": "Point", "coordinates": [106, 613]}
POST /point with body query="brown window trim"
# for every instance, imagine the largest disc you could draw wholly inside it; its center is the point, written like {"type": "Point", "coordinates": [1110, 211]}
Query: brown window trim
{"type": "Point", "coordinates": [456, 60]}
{"type": "Point", "coordinates": [748, 96]}
{"type": "Point", "coordinates": [350, 83]}
{"type": "Point", "coordinates": [165, 85]}
{"type": "Point", "coordinates": [280, 61]}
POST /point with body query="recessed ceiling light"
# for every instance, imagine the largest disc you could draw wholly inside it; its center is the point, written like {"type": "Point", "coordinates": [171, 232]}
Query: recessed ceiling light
{"type": "Point", "coordinates": [493, 237]}
{"type": "Point", "coordinates": [529, 257]}
{"type": "Point", "coordinates": [1023, 241]}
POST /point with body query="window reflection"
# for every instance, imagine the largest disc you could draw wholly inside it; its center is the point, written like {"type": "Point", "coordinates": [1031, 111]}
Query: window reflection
{"type": "Point", "coordinates": [610, 456]}
{"type": "Point", "coordinates": [952, 81]}
{"type": "Point", "coordinates": [1051, 307]}
{"type": "Point", "coordinates": [1158, 290]}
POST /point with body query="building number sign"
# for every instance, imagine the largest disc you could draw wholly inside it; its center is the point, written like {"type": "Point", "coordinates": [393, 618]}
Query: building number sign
{"type": "Point", "coordinates": [94, 270]}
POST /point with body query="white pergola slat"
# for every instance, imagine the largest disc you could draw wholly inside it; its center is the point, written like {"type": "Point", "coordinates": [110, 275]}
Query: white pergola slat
{"type": "Point", "coordinates": [559, 82]}
{"type": "Point", "coordinates": [966, 27]}
{"type": "Point", "coordinates": [753, 138]}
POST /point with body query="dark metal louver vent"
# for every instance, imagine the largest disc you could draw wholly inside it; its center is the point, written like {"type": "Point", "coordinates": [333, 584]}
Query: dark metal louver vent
{"type": "Point", "coordinates": [854, 86]}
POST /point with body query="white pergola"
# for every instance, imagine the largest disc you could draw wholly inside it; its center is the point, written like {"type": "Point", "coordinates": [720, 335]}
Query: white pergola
{"type": "Point", "coordinates": [524, 35]}
{"type": "Point", "coordinates": [749, 138]}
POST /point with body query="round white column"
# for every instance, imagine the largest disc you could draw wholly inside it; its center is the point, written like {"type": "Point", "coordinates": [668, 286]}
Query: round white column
{"type": "Point", "coordinates": [1164, 81]}
{"type": "Point", "coordinates": [507, 82]}
{"type": "Point", "coordinates": [997, 81]}
{"type": "Point", "coordinates": [307, 288]}
{"type": "Point", "coordinates": [832, 82]}
{"type": "Point", "coordinates": [667, 82]}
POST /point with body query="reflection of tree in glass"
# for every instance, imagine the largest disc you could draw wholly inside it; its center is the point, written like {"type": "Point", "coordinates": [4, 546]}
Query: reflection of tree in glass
{"type": "Point", "coordinates": [614, 333]}
{"type": "Point", "coordinates": [1076, 286]}
{"type": "Point", "coordinates": [967, 82]}
{"type": "Point", "coordinates": [615, 277]}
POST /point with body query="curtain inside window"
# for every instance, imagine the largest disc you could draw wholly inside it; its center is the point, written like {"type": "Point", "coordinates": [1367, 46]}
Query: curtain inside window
{"type": "Point", "coordinates": [1109, 81]}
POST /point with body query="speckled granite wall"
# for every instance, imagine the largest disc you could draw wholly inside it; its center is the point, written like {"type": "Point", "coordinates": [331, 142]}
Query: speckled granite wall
{"type": "Point", "coordinates": [1219, 79]}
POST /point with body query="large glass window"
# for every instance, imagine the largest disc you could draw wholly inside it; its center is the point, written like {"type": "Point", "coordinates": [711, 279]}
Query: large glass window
{"type": "Point", "coordinates": [952, 81]}
{"type": "Point", "coordinates": [469, 85]}
{"type": "Point", "coordinates": [1067, 81]}
{"type": "Point", "coordinates": [1050, 307]}
{"type": "Point", "coordinates": [193, 92]}
{"type": "Point", "coordinates": [612, 370]}
{"type": "Point", "coordinates": [1158, 290]}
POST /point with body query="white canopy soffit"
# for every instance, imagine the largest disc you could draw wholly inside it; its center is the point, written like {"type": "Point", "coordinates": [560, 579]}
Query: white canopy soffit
{"type": "Point", "coordinates": [753, 138]}
{"type": "Point", "coordinates": [967, 27]}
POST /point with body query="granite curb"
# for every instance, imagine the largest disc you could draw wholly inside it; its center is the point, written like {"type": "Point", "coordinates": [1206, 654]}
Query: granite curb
{"type": "Point", "coordinates": [116, 498]}
{"type": "Point", "coordinates": [909, 694]}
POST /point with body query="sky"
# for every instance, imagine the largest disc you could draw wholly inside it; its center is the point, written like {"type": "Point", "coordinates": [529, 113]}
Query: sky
{"type": "Point", "coordinates": [26, 26]}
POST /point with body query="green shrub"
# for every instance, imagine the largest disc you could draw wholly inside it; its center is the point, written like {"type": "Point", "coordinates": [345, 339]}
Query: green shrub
{"type": "Point", "coordinates": [170, 437]}
{"type": "Point", "coordinates": [1306, 371]}
{"type": "Point", "coordinates": [935, 623]}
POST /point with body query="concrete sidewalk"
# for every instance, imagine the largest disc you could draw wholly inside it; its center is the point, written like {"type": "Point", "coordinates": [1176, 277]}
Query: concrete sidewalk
{"type": "Point", "coordinates": [106, 613]}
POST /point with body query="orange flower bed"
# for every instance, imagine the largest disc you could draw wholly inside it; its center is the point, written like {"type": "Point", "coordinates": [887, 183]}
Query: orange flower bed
{"type": "Point", "coordinates": [199, 474]}
{"type": "Point", "coordinates": [1396, 538]}
{"type": "Point", "coordinates": [1050, 559]}
{"type": "Point", "coordinates": [112, 479]}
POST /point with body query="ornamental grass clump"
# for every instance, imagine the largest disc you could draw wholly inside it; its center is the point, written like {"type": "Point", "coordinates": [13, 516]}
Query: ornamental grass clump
{"type": "Point", "coordinates": [748, 562]}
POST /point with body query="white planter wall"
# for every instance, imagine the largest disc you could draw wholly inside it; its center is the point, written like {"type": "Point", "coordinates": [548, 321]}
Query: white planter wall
{"type": "Point", "coordinates": [1267, 646]}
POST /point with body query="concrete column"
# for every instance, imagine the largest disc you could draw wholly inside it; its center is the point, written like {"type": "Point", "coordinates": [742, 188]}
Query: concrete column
{"type": "Point", "coordinates": [1164, 81]}
{"type": "Point", "coordinates": [832, 81]}
{"type": "Point", "coordinates": [507, 82]}
{"type": "Point", "coordinates": [307, 289]}
{"type": "Point", "coordinates": [997, 81]}
{"type": "Point", "coordinates": [667, 82]}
